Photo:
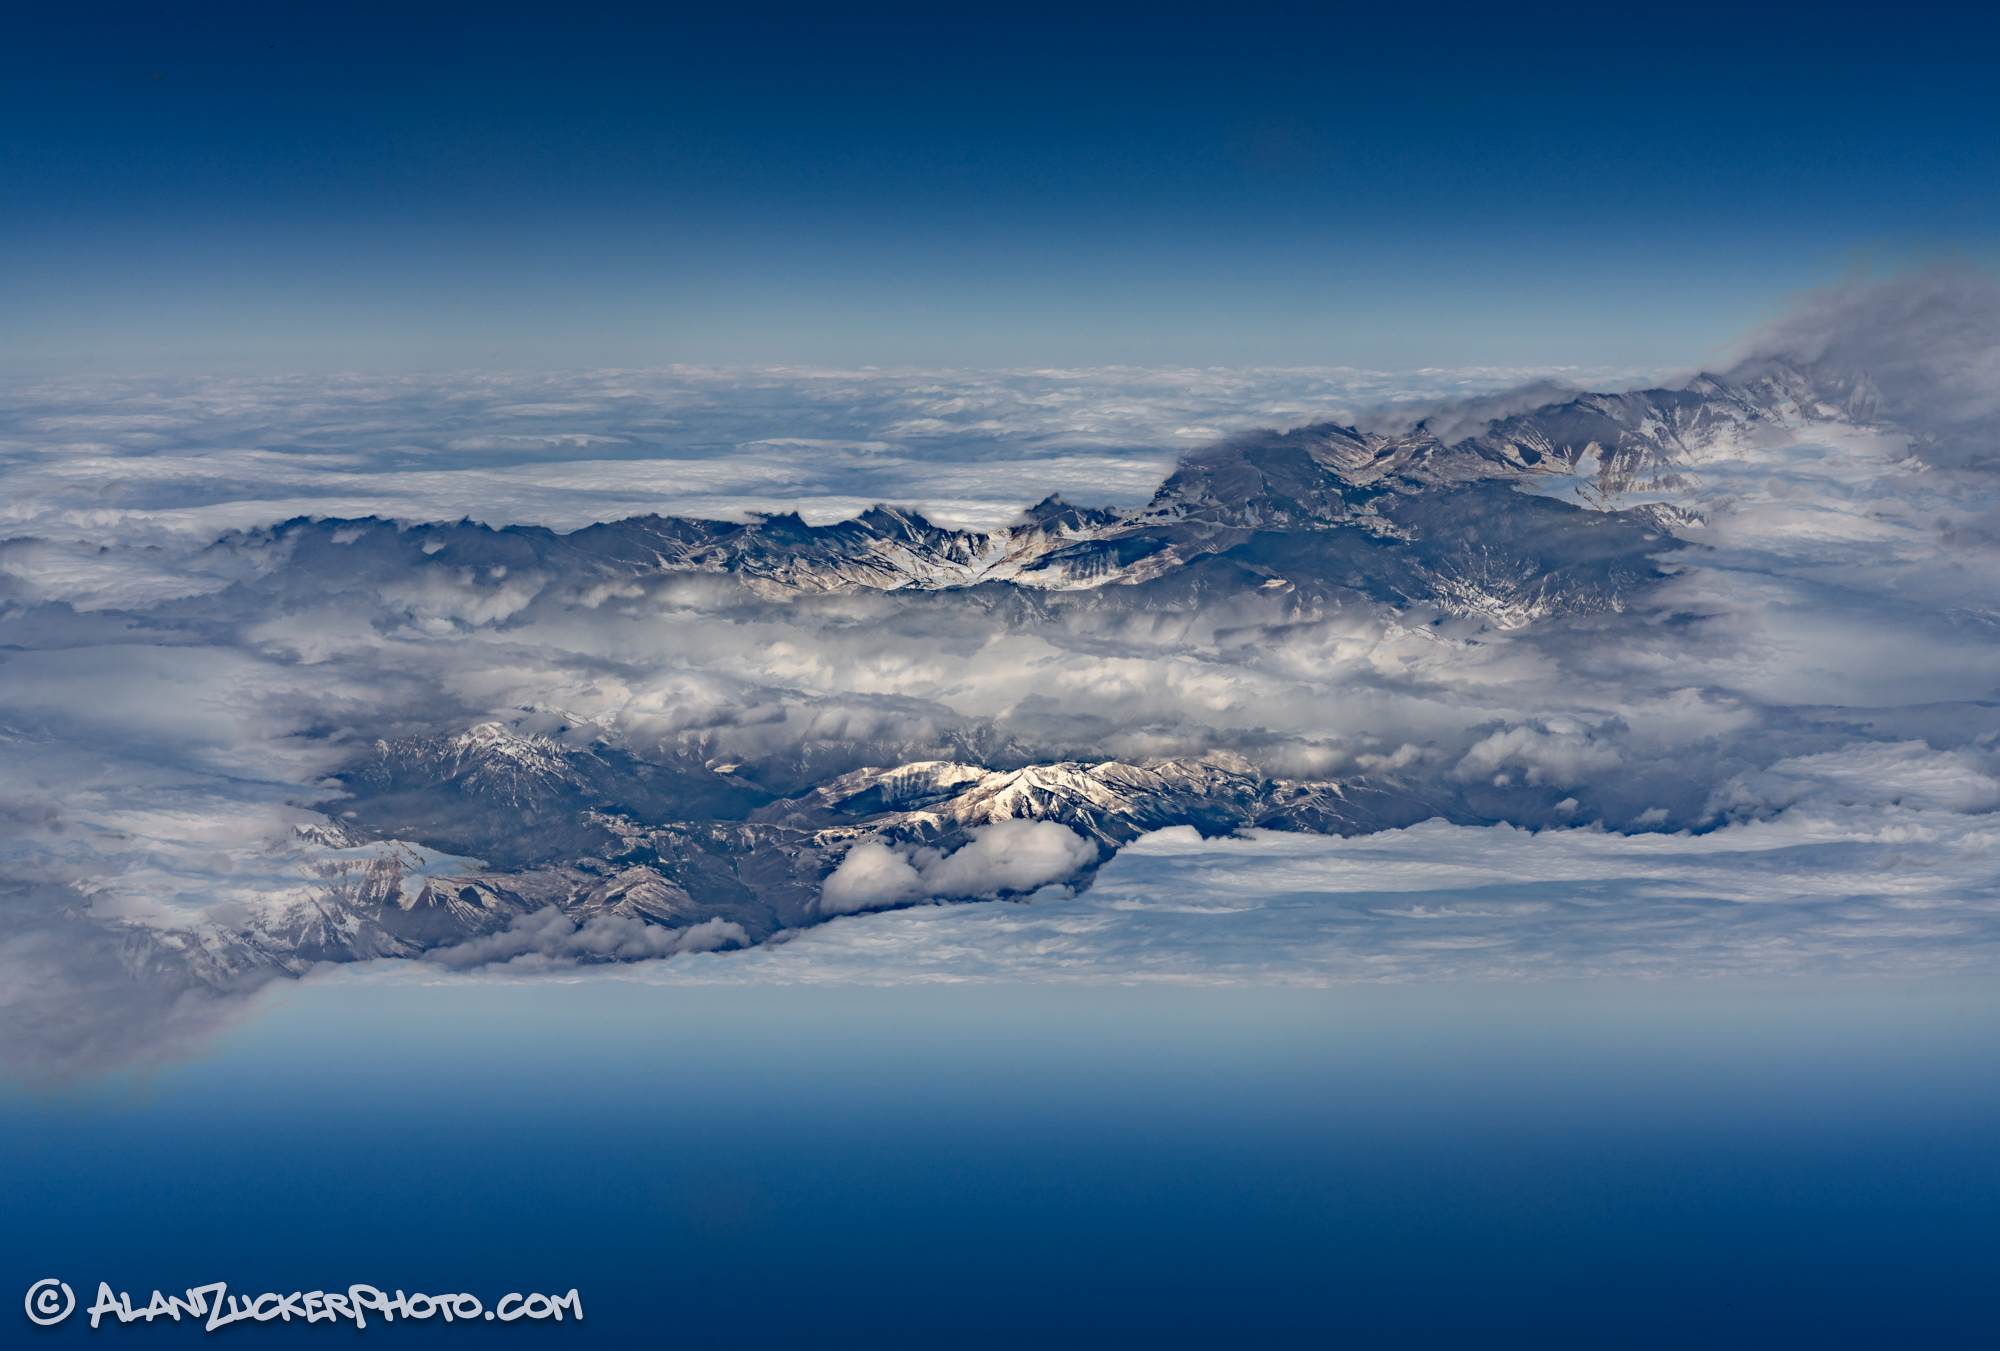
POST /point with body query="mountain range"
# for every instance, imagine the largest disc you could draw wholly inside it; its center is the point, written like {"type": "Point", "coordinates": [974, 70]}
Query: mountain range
{"type": "Point", "coordinates": [451, 835]}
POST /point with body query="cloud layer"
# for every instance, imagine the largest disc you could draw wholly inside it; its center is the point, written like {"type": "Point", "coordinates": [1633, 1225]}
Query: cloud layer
{"type": "Point", "coordinates": [128, 462]}
{"type": "Point", "coordinates": [1779, 757]}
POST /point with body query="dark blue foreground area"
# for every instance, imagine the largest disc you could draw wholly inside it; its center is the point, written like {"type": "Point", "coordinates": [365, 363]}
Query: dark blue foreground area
{"type": "Point", "coordinates": [1811, 1164]}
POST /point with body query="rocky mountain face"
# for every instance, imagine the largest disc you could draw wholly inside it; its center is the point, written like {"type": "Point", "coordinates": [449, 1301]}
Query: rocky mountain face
{"type": "Point", "coordinates": [449, 838]}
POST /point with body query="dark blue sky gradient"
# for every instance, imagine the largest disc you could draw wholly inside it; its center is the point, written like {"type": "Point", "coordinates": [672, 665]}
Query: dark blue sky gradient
{"type": "Point", "coordinates": [367, 185]}
{"type": "Point", "coordinates": [1570, 1164]}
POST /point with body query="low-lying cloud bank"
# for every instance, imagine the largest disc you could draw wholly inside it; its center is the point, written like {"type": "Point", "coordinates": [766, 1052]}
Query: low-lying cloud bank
{"type": "Point", "coordinates": [550, 938]}
{"type": "Point", "coordinates": [1777, 753]}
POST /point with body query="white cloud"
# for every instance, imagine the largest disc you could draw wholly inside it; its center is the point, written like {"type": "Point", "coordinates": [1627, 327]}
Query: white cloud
{"type": "Point", "coordinates": [1921, 347]}
{"type": "Point", "coordinates": [871, 877]}
{"type": "Point", "coordinates": [550, 938]}
{"type": "Point", "coordinates": [1899, 774]}
{"type": "Point", "coordinates": [147, 461]}
{"type": "Point", "coordinates": [458, 594]}
{"type": "Point", "coordinates": [1562, 759]}
{"type": "Point", "coordinates": [1016, 856]}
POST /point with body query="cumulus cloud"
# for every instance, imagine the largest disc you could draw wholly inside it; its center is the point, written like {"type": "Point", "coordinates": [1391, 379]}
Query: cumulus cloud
{"type": "Point", "coordinates": [1560, 758]}
{"type": "Point", "coordinates": [1016, 856]}
{"type": "Point", "coordinates": [871, 877]}
{"type": "Point", "coordinates": [1009, 856]}
{"type": "Point", "coordinates": [461, 595]}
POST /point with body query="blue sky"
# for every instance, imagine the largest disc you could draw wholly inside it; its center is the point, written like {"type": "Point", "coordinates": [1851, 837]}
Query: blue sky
{"type": "Point", "coordinates": [367, 187]}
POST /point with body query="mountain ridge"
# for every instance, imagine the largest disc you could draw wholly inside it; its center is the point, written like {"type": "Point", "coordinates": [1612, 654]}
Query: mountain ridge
{"type": "Point", "coordinates": [1316, 517]}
